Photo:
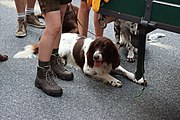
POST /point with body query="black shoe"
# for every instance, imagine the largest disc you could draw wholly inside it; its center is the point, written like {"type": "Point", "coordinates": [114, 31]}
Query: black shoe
{"type": "Point", "coordinates": [59, 69]}
{"type": "Point", "coordinates": [45, 81]}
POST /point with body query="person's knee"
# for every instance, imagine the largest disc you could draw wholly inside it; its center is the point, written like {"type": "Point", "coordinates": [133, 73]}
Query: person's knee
{"type": "Point", "coordinates": [54, 30]}
{"type": "Point", "coordinates": [57, 28]}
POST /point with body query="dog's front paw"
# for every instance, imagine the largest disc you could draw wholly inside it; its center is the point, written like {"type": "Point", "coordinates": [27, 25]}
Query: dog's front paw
{"type": "Point", "coordinates": [141, 81]}
{"type": "Point", "coordinates": [116, 83]}
{"type": "Point", "coordinates": [131, 57]}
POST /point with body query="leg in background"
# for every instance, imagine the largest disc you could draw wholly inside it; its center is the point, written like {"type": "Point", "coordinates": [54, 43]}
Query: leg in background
{"type": "Point", "coordinates": [20, 8]}
{"type": "Point", "coordinates": [98, 30]}
{"type": "Point", "coordinates": [55, 61]}
{"type": "Point", "coordinates": [32, 19]}
{"type": "Point", "coordinates": [83, 17]}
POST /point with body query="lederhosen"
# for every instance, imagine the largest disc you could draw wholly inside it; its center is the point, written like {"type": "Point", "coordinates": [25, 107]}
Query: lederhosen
{"type": "Point", "coordinates": [51, 5]}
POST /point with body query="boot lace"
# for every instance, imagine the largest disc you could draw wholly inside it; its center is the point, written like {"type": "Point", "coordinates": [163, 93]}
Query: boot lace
{"type": "Point", "coordinates": [35, 17]}
{"type": "Point", "coordinates": [50, 76]}
{"type": "Point", "coordinates": [21, 26]}
{"type": "Point", "coordinates": [60, 63]}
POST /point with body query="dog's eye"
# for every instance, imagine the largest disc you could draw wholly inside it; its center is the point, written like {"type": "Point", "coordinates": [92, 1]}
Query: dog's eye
{"type": "Point", "coordinates": [95, 45]}
{"type": "Point", "coordinates": [104, 46]}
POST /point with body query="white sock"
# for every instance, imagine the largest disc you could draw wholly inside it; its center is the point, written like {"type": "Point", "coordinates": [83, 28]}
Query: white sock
{"type": "Point", "coordinates": [21, 16]}
{"type": "Point", "coordinates": [29, 11]}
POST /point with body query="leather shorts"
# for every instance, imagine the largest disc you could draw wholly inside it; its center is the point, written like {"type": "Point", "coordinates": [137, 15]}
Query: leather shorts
{"type": "Point", "coordinates": [51, 5]}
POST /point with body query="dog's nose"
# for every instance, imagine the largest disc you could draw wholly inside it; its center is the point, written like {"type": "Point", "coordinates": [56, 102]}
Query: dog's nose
{"type": "Point", "coordinates": [96, 57]}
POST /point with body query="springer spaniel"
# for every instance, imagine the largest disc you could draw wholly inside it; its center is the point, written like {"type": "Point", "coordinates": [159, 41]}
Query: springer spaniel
{"type": "Point", "coordinates": [96, 58]}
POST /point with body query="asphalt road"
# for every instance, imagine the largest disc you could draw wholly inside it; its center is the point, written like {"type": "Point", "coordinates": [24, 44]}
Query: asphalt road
{"type": "Point", "coordinates": [84, 98]}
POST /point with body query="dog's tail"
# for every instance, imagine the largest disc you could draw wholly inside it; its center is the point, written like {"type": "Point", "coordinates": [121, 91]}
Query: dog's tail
{"type": "Point", "coordinates": [29, 51]}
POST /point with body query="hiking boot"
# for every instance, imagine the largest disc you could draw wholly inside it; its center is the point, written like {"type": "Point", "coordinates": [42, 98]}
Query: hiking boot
{"type": "Point", "coordinates": [21, 31]}
{"type": "Point", "coordinates": [59, 69]}
{"type": "Point", "coordinates": [45, 81]}
{"type": "Point", "coordinates": [33, 20]}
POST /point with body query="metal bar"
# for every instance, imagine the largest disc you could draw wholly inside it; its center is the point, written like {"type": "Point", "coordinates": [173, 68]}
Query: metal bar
{"type": "Point", "coordinates": [143, 30]}
{"type": "Point", "coordinates": [148, 7]}
{"type": "Point", "coordinates": [119, 15]}
{"type": "Point", "coordinates": [166, 3]}
{"type": "Point", "coordinates": [141, 53]}
{"type": "Point", "coordinates": [168, 27]}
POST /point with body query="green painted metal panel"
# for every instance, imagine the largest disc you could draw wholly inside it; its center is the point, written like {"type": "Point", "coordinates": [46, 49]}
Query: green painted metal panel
{"type": "Point", "coordinates": [160, 12]}
{"type": "Point", "coordinates": [166, 14]}
{"type": "Point", "coordinates": [132, 7]}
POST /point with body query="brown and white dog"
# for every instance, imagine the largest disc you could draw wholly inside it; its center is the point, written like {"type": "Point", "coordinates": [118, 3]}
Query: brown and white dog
{"type": "Point", "coordinates": [70, 19]}
{"type": "Point", "coordinates": [96, 57]}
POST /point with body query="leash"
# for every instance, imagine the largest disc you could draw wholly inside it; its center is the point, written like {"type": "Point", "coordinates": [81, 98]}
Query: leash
{"type": "Point", "coordinates": [143, 89]}
{"type": "Point", "coordinates": [80, 22]}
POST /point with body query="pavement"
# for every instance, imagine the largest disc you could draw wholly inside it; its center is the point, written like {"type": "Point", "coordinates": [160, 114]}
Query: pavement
{"type": "Point", "coordinates": [84, 98]}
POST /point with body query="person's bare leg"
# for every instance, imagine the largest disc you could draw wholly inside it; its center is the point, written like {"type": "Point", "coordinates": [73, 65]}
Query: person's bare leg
{"type": "Point", "coordinates": [98, 30]}
{"type": "Point", "coordinates": [83, 17]}
{"type": "Point", "coordinates": [20, 6]}
{"type": "Point", "coordinates": [57, 41]}
{"type": "Point", "coordinates": [44, 78]}
{"type": "Point", "coordinates": [55, 61]}
{"type": "Point", "coordinates": [49, 63]}
{"type": "Point", "coordinates": [49, 36]}
{"type": "Point", "coordinates": [31, 3]}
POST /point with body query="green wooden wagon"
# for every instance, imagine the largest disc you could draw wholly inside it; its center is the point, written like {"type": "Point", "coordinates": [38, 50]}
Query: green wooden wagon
{"type": "Point", "coordinates": [149, 14]}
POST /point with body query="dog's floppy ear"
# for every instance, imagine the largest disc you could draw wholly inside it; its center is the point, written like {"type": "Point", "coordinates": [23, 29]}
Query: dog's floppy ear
{"type": "Point", "coordinates": [89, 54]}
{"type": "Point", "coordinates": [116, 57]}
{"type": "Point", "coordinates": [112, 53]}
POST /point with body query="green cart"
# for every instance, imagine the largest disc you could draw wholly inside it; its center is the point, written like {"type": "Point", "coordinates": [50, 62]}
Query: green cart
{"type": "Point", "coordinates": [149, 14]}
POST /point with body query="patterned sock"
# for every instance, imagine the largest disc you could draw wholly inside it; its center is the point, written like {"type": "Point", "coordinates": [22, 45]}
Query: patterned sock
{"type": "Point", "coordinates": [29, 11]}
